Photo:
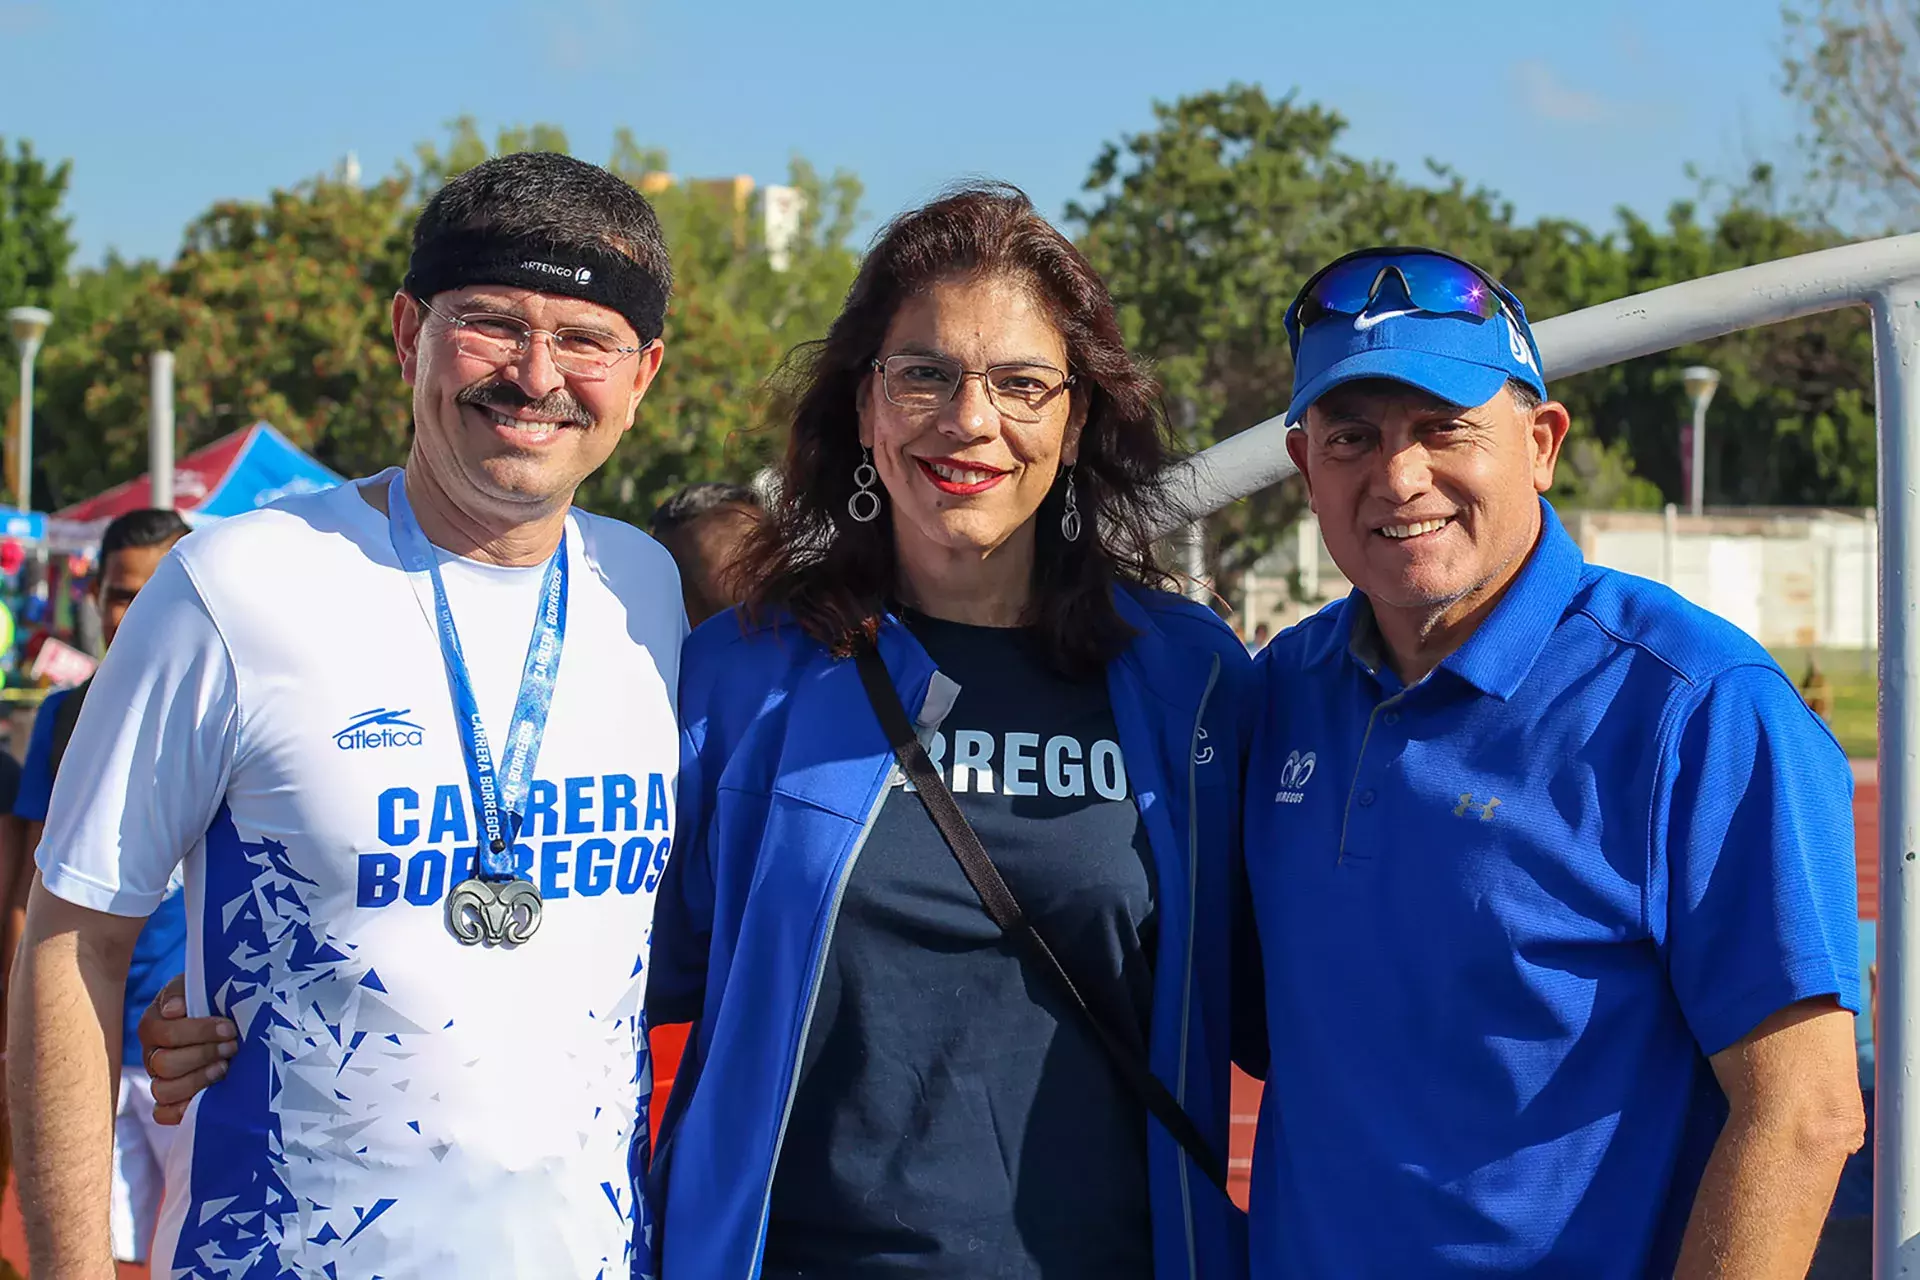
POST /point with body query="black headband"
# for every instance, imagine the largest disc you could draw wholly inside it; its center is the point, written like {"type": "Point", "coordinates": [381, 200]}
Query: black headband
{"type": "Point", "coordinates": [594, 274]}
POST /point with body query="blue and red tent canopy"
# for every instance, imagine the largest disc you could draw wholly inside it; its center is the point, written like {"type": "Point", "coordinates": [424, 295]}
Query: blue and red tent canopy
{"type": "Point", "coordinates": [235, 474]}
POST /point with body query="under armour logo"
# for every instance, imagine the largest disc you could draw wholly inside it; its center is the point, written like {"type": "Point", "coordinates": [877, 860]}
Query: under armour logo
{"type": "Point", "coordinates": [1468, 802]}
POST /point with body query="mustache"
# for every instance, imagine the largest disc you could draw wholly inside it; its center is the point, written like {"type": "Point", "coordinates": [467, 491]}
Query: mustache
{"type": "Point", "coordinates": [558, 404]}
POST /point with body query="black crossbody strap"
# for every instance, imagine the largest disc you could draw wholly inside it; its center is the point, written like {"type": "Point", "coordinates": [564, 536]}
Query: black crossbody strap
{"type": "Point", "coordinates": [1005, 911]}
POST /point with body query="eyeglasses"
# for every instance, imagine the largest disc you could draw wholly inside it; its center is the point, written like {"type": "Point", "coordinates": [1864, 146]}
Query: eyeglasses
{"type": "Point", "coordinates": [1434, 281]}
{"type": "Point", "coordinates": [1020, 392]}
{"type": "Point", "coordinates": [586, 354]}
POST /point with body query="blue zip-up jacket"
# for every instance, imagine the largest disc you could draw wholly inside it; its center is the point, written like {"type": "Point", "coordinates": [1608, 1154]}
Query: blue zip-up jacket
{"type": "Point", "coordinates": [783, 769]}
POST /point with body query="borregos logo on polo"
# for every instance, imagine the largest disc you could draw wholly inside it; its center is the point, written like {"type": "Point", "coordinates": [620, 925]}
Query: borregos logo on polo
{"type": "Point", "coordinates": [1294, 775]}
{"type": "Point", "coordinates": [379, 728]}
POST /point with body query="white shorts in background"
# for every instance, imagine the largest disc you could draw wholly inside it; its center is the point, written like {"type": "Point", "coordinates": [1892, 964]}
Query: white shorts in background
{"type": "Point", "coordinates": [139, 1166]}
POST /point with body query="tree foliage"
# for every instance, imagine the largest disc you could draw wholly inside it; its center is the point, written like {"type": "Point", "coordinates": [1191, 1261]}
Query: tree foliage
{"type": "Point", "coordinates": [1792, 423]}
{"type": "Point", "coordinates": [1206, 224]}
{"type": "Point", "coordinates": [35, 240]}
{"type": "Point", "coordinates": [1854, 68]}
{"type": "Point", "coordinates": [35, 249]}
{"type": "Point", "coordinates": [279, 310]}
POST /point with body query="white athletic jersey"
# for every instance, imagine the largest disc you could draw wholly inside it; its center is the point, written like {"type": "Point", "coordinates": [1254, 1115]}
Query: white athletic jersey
{"type": "Point", "coordinates": [275, 713]}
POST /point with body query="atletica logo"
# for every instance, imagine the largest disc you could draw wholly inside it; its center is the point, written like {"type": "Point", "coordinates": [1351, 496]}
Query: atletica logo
{"type": "Point", "coordinates": [378, 728]}
{"type": "Point", "coordinates": [1293, 777]}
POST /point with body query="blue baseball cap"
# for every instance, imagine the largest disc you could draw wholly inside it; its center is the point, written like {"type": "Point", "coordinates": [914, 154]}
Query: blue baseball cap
{"type": "Point", "coordinates": [1412, 315]}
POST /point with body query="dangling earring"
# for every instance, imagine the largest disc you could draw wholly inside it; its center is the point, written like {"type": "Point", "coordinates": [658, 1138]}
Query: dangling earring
{"type": "Point", "coordinates": [864, 505]}
{"type": "Point", "coordinates": [1070, 518]}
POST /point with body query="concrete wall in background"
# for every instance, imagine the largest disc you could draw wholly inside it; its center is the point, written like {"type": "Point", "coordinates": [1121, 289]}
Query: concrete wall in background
{"type": "Point", "coordinates": [1799, 578]}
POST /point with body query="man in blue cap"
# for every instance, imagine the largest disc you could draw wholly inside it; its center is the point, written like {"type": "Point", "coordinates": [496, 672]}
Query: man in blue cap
{"type": "Point", "coordinates": [1553, 871]}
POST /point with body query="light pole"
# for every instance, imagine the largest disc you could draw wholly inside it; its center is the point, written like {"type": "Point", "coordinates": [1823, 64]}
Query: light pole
{"type": "Point", "coordinates": [28, 325]}
{"type": "Point", "coordinates": [1701, 382]}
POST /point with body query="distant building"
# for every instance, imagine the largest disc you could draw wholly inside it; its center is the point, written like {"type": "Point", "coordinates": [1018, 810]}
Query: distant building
{"type": "Point", "coordinates": [780, 210]}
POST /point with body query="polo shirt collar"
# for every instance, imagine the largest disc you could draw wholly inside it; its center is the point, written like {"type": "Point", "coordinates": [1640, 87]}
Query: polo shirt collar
{"type": "Point", "coordinates": [1497, 657]}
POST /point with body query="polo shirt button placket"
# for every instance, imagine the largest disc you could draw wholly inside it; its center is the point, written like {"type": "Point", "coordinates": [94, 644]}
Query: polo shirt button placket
{"type": "Point", "coordinates": [1360, 794]}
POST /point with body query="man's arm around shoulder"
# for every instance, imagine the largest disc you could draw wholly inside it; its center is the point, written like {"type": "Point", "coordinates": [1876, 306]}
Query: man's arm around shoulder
{"type": "Point", "coordinates": [63, 1050]}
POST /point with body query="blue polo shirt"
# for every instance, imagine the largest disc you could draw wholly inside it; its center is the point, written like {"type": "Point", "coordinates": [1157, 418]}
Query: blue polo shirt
{"type": "Point", "coordinates": [1507, 913]}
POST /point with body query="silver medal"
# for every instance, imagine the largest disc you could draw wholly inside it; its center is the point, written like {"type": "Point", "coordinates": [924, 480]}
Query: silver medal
{"type": "Point", "coordinates": [496, 912]}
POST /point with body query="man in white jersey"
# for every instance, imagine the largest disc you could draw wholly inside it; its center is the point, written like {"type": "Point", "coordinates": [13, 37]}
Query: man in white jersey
{"type": "Point", "coordinates": [413, 740]}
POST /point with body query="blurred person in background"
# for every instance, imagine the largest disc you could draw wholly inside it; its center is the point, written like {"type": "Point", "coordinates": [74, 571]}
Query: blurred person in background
{"type": "Point", "coordinates": [130, 551]}
{"type": "Point", "coordinates": [705, 527]}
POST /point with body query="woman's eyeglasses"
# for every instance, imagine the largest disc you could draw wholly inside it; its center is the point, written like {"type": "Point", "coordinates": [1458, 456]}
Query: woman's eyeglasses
{"type": "Point", "coordinates": [1020, 392]}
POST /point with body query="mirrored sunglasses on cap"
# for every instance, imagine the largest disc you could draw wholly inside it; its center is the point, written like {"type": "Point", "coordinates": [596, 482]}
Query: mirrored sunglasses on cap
{"type": "Point", "coordinates": [1434, 282]}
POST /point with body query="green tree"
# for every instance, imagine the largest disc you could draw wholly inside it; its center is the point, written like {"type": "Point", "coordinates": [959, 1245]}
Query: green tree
{"type": "Point", "coordinates": [733, 319]}
{"type": "Point", "coordinates": [1206, 225]}
{"type": "Point", "coordinates": [274, 310]}
{"type": "Point", "coordinates": [1853, 67]}
{"type": "Point", "coordinates": [35, 249]}
{"type": "Point", "coordinates": [36, 244]}
{"type": "Point", "coordinates": [1792, 423]}
{"type": "Point", "coordinates": [278, 310]}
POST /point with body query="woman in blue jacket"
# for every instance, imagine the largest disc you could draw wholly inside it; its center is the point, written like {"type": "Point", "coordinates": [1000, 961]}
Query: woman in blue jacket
{"type": "Point", "coordinates": [879, 1081]}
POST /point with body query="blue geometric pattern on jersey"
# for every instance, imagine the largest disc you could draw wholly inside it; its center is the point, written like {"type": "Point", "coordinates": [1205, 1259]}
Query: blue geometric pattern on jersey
{"type": "Point", "coordinates": [268, 970]}
{"type": "Point", "coordinates": [640, 1150]}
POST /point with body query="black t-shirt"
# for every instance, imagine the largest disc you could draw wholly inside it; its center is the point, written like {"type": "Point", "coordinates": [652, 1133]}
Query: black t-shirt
{"type": "Point", "coordinates": [954, 1116]}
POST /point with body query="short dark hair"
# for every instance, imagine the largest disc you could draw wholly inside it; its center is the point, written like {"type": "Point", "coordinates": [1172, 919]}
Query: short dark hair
{"type": "Point", "coordinates": [147, 527]}
{"type": "Point", "coordinates": [1524, 396]}
{"type": "Point", "coordinates": [551, 197]}
{"type": "Point", "coordinates": [697, 500]}
{"type": "Point", "coordinates": [836, 575]}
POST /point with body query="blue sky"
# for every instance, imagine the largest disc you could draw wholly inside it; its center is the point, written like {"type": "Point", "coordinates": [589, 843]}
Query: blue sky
{"type": "Point", "coordinates": [1567, 107]}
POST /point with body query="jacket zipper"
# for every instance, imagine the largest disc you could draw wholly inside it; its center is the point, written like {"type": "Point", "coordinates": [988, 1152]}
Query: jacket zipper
{"type": "Point", "coordinates": [813, 997]}
{"type": "Point", "coordinates": [1193, 916]}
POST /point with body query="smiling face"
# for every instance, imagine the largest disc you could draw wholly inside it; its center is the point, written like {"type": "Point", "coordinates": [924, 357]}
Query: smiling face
{"type": "Point", "coordinates": [1426, 507]}
{"type": "Point", "coordinates": [509, 441]}
{"type": "Point", "coordinates": [964, 479]}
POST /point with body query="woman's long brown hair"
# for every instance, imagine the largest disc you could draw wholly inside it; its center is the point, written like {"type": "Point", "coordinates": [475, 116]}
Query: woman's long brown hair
{"type": "Point", "coordinates": [836, 575]}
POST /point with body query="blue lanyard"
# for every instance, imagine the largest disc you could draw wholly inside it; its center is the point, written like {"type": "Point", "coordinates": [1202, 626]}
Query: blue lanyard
{"type": "Point", "coordinates": [499, 796]}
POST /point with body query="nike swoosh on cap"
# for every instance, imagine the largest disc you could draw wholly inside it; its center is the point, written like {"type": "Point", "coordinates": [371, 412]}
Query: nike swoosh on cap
{"type": "Point", "coordinates": [1364, 322]}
